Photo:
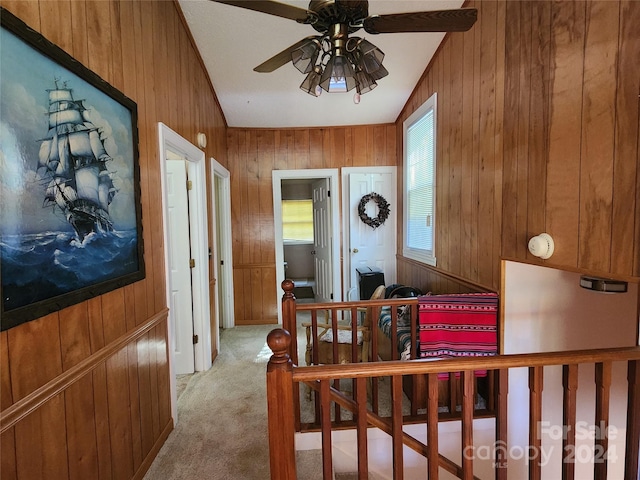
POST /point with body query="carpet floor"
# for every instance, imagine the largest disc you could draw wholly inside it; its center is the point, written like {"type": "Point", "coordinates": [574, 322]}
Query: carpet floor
{"type": "Point", "coordinates": [221, 430]}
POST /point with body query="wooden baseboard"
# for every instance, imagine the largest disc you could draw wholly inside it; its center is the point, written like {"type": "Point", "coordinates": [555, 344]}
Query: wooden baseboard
{"type": "Point", "coordinates": [260, 321]}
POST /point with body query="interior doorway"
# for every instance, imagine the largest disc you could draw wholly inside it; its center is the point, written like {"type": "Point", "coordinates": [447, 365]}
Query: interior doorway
{"type": "Point", "coordinates": [364, 246]}
{"type": "Point", "coordinates": [321, 254]}
{"type": "Point", "coordinates": [174, 148]}
{"type": "Point", "coordinates": [221, 265]}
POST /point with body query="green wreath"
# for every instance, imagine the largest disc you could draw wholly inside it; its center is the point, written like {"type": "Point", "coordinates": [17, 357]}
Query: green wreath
{"type": "Point", "coordinates": [383, 210]}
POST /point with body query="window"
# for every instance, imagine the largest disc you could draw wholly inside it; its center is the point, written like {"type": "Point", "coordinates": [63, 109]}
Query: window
{"type": "Point", "coordinates": [297, 221]}
{"type": "Point", "coordinates": [420, 183]}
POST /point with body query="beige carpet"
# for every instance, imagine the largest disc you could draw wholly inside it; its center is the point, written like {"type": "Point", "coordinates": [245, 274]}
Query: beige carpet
{"type": "Point", "coordinates": [221, 432]}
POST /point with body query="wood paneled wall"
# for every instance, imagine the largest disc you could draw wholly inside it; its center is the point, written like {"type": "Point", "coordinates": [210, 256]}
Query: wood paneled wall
{"type": "Point", "coordinates": [252, 155]}
{"type": "Point", "coordinates": [538, 108]}
{"type": "Point", "coordinates": [84, 392]}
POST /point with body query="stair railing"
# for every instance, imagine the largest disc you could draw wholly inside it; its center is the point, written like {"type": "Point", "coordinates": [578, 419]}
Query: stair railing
{"type": "Point", "coordinates": [282, 376]}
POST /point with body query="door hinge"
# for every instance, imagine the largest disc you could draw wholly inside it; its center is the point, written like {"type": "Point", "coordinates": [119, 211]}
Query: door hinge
{"type": "Point", "coordinates": [189, 184]}
{"type": "Point", "coordinates": [195, 339]}
{"type": "Point", "coordinates": [192, 263]}
{"type": "Point", "coordinates": [331, 296]}
{"type": "Point", "coordinates": [328, 193]}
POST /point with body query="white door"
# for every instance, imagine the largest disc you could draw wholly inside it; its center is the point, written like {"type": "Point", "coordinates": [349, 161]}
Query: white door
{"type": "Point", "coordinates": [322, 241]}
{"type": "Point", "coordinates": [180, 300]}
{"type": "Point", "coordinates": [369, 247]}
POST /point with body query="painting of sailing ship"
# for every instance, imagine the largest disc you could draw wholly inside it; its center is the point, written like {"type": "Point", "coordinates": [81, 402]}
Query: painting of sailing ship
{"type": "Point", "coordinates": [70, 225]}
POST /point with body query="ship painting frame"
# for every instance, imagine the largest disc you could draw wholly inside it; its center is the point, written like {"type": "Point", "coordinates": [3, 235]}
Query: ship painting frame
{"type": "Point", "coordinates": [87, 172]}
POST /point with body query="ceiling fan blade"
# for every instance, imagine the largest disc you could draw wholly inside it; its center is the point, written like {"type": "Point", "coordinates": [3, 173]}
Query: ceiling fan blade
{"type": "Point", "coordinates": [281, 58]}
{"type": "Point", "coordinates": [459, 20]}
{"type": "Point", "coordinates": [272, 8]}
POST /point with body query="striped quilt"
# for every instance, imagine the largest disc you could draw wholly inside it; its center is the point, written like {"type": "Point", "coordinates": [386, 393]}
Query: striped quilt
{"type": "Point", "coordinates": [458, 325]}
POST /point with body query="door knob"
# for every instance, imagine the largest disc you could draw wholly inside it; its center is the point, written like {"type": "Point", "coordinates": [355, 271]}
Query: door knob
{"type": "Point", "coordinates": [355, 250]}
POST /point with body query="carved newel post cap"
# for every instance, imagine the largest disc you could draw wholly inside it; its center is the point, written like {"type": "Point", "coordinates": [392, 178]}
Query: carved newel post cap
{"type": "Point", "coordinates": [279, 341]}
{"type": "Point", "coordinates": [287, 285]}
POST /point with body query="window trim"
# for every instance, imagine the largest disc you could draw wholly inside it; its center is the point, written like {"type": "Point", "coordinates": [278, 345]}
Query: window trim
{"type": "Point", "coordinates": [419, 255]}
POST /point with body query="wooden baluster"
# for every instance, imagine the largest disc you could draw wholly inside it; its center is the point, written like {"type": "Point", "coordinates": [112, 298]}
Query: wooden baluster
{"type": "Point", "coordinates": [601, 444]}
{"type": "Point", "coordinates": [570, 385]}
{"type": "Point", "coordinates": [633, 422]}
{"type": "Point", "coordinates": [315, 360]}
{"type": "Point", "coordinates": [354, 345]}
{"type": "Point", "coordinates": [335, 357]}
{"type": "Point", "coordinates": [374, 355]}
{"type": "Point", "coordinates": [314, 331]}
{"type": "Point", "coordinates": [467, 378]}
{"type": "Point", "coordinates": [354, 336]}
{"type": "Point", "coordinates": [289, 323]}
{"type": "Point", "coordinates": [491, 386]}
{"type": "Point", "coordinates": [281, 420]}
{"type": "Point", "coordinates": [361, 399]}
{"type": "Point", "coordinates": [413, 310]}
{"type": "Point", "coordinates": [453, 393]}
{"type": "Point", "coordinates": [432, 426]}
{"type": "Point", "coordinates": [289, 318]}
{"type": "Point", "coordinates": [325, 421]}
{"type": "Point", "coordinates": [535, 416]}
{"type": "Point", "coordinates": [502, 387]}
{"type": "Point", "coordinates": [396, 426]}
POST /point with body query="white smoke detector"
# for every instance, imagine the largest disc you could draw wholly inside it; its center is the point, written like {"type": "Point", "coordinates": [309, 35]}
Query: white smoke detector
{"type": "Point", "coordinates": [541, 246]}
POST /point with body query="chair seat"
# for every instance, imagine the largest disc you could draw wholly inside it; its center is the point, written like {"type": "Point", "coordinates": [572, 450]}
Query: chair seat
{"type": "Point", "coordinates": [344, 336]}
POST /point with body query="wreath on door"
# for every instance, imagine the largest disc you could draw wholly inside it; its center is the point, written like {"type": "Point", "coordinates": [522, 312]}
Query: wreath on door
{"type": "Point", "coordinates": [383, 210]}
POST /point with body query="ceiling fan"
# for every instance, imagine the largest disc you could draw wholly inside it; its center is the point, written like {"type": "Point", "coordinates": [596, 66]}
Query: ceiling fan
{"type": "Point", "coordinates": [334, 60]}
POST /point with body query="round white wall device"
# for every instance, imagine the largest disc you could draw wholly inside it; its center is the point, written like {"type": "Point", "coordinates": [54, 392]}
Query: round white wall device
{"type": "Point", "coordinates": [202, 140]}
{"type": "Point", "coordinates": [541, 246]}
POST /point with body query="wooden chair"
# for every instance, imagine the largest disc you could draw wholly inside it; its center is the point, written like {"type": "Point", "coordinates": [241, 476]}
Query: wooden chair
{"type": "Point", "coordinates": [324, 341]}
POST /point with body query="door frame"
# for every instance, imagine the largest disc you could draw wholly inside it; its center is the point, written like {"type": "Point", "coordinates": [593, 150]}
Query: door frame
{"type": "Point", "coordinates": [334, 185]}
{"type": "Point", "coordinates": [347, 217]}
{"type": "Point", "coordinates": [170, 140]}
{"type": "Point", "coordinates": [223, 226]}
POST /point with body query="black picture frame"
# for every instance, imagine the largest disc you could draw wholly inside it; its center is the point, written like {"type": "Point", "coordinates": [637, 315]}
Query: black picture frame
{"type": "Point", "coordinates": [70, 213]}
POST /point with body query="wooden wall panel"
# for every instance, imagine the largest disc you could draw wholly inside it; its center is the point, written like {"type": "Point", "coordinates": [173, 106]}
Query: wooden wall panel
{"type": "Point", "coordinates": [563, 192]}
{"type": "Point", "coordinates": [626, 211]}
{"type": "Point", "coordinates": [106, 409]}
{"type": "Point", "coordinates": [81, 430]}
{"type": "Point", "coordinates": [253, 154]}
{"type": "Point", "coordinates": [547, 139]}
{"type": "Point", "coordinates": [598, 130]}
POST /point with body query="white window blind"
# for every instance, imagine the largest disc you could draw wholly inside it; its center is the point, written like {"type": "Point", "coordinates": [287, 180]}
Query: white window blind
{"type": "Point", "coordinates": [419, 185]}
{"type": "Point", "coordinates": [297, 220]}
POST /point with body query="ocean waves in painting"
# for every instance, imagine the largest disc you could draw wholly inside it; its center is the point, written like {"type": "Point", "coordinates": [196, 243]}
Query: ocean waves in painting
{"type": "Point", "coordinates": [45, 265]}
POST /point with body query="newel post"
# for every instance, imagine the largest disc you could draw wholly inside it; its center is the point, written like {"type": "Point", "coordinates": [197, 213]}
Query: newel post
{"type": "Point", "coordinates": [289, 317]}
{"type": "Point", "coordinates": [280, 405]}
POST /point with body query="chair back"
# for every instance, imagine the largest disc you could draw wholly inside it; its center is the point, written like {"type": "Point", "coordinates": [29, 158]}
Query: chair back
{"type": "Point", "coordinates": [377, 294]}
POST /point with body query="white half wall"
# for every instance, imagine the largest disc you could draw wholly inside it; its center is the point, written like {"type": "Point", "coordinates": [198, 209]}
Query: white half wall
{"type": "Point", "coordinates": [546, 310]}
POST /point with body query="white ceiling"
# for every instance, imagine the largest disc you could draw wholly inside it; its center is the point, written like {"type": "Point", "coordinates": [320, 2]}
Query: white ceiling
{"type": "Point", "coordinates": [233, 40]}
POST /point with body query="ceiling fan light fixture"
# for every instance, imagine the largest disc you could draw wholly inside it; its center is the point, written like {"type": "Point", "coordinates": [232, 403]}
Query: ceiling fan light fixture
{"type": "Point", "coordinates": [335, 62]}
{"type": "Point", "coordinates": [305, 56]}
{"type": "Point", "coordinates": [311, 83]}
{"type": "Point", "coordinates": [371, 56]}
{"type": "Point", "coordinates": [380, 73]}
{"type": "Point", "coordinates": [338, 75]}
{"type": "Point", "coordinates": [364, 82]}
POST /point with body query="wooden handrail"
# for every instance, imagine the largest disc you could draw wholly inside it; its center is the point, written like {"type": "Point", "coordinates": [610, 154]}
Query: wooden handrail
{"type": "Point", "coordinates": [416, 367]}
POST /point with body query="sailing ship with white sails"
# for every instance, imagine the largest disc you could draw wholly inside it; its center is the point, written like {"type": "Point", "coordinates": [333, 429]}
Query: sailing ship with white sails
{"type": "Point", "coordinates": [72, 160]}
